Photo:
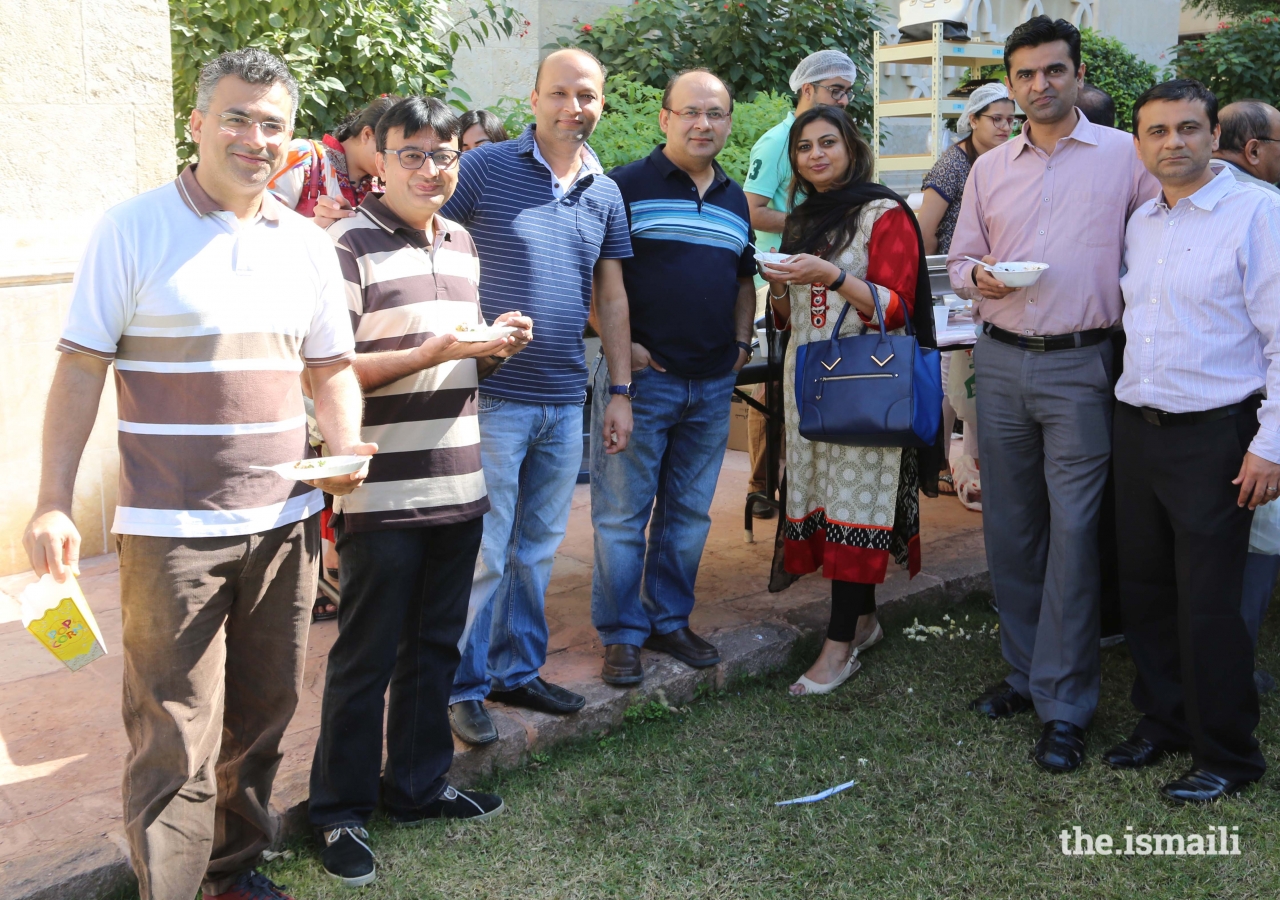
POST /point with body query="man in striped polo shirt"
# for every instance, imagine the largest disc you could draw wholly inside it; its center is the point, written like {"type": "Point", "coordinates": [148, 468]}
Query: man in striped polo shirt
{"type": "Point", "coordinates": [209, 297]}
{"type": "Point", "coordinates": [408, 538]}
{"type": "Point", "coordinates": [692, 302]}
{"type": "Point", "coordinates": [547, 223]}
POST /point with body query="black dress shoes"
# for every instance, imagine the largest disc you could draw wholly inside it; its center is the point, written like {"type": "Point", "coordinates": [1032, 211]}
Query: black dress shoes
{"type": "Point", "coordinates": [685, 646]}
{"type": "Point", "coordinates": [1202, 786]}
{"type": "Point", "coordinates": [622, 665]}
{"type": "Point", "coordinates": [470, 721]}
{"type": "Point", "coordinates": [1134, 753]}
{"type": "Point", "coordinates": [1000, 701]}
{"type": "Point", "coordinates": [542, 696]}
{"type": "Point", "coordinates": [1061, 747]}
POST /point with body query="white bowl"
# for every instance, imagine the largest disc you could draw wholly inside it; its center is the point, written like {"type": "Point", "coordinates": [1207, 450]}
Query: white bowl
{"type": "Point", "coordinates": [318, 467]}
{"type": "Point", "coordinates": [770, 259]}
{"type": "Point", "coordinates": [1018, 274]}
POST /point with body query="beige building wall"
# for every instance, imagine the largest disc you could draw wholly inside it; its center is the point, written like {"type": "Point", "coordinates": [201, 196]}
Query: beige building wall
{"type": "Point", "coordinates": [87, 106]}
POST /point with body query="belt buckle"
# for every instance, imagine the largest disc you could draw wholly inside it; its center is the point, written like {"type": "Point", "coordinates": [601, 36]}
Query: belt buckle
{"type": "Point", "coordinates": [1152, 416]}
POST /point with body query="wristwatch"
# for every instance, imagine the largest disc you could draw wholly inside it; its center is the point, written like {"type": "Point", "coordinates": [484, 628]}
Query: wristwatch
{"type": "Point", "coordinates": [627, 390]}
{"type": "Point", "coordinates": [743, 345]}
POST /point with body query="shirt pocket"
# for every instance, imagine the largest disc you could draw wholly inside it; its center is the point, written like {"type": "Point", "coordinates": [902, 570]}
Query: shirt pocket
{"type": "Point", "coordinates": [1096, 221]}
{"type": "Point", "coordinates": [1202, 279]}
{"type": "Point", "coordinates": [591, 218]}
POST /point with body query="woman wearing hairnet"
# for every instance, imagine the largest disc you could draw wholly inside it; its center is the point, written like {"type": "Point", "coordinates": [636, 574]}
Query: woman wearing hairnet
{"type": "Point", "coordinates": [984, 125]}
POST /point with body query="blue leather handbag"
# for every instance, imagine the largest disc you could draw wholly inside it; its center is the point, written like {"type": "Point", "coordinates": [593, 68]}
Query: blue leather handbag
{"type": "Point", "coordinates": [869, 390]}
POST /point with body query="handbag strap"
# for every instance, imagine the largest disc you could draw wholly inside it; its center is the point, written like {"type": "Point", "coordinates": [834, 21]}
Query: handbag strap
{"type": "Point", "coordinates": [875, 299]}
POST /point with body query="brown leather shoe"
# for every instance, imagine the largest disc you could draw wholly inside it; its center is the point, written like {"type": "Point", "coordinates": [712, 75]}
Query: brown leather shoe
{"type": "Point", "coordinates": [622, 665]}
{"type": "Point", "coordinates": [685, 646]}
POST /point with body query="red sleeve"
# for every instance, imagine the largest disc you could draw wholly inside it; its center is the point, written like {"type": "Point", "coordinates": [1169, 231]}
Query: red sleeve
{"type": "Point", "coordinates": [893, 261]}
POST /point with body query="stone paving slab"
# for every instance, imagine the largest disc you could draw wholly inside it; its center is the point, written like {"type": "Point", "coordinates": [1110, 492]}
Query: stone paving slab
{"type": "Point", "coordinates": [62, 747]}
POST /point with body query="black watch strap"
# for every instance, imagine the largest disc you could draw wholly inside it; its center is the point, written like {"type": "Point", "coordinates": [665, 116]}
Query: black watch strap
{"type": "Point", "coordinates": [744, 345]}
{"type": "Point", "coordinates": [835, 285]}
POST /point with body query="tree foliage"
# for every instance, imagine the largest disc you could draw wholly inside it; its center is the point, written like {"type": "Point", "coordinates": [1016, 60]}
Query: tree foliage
{"type": "Point", "coordinates": [628, 130]}
{"type": "Point", "coordinates": [1238, 60]}
{"type": "Point", "coordinates": [1239, 8]}
{"type": "Point", "coordinates": [344, 53]}
{"type": "Point", "coordinates": [752, 44]}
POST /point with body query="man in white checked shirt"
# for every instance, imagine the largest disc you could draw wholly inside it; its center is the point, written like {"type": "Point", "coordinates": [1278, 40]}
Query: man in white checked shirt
{"type": "Point", "coordinates": [1197, 443]}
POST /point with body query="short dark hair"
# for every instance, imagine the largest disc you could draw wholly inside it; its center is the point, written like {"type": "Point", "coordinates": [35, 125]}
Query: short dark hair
{"type": "Point", "coordinates": [1042, 30]}
{"type": "Point", "coordinates": [537, 78]}
{"type": "Point", "coordinates": [1097, 106]}
{"type": "Point", "coordinates": [671, 85]}
{"type": "Point", "coordinates": [252, 66]}
{"type": "Point", "coordinates": [1178, 89]}
{"type": "Point", "coordinates": [367, 117]}
{"type": "Point", "coordinates": [417, 114]}
{"type": "Point", "coordinates": [1244, 121]}
{"type": "Point", "coordinates": [492, 126]}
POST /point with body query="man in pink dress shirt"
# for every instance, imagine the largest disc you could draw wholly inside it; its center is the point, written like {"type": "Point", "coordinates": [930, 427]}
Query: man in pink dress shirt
{"type": "Point", "coordinates": [1059, 193]}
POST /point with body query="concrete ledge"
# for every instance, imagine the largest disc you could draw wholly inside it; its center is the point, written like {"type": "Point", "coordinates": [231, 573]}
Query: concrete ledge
{"type": "Point", "coordinates": [100, 869]}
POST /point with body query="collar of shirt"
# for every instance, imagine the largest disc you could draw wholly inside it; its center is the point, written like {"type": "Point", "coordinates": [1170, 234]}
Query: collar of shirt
{"type": "Point", "coordinates": [1085, 132]}
{"type": "Point", "coordinates": [381, 215]}
{"type": "Point", "coordinates": [1206, 198]}
{"type": "Point", "coordinates": [666, 168]}
{"type": "Point", "coordinates": [590, 162]}
{"type": "Point", "coordinates": [199, 202]}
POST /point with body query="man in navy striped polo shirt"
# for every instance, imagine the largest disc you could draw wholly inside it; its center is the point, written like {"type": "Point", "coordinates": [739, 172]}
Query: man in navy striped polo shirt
{"type": "Point", "coordinates": [692, 301]}
{"type": "Point", "coordinates": [548, 225]}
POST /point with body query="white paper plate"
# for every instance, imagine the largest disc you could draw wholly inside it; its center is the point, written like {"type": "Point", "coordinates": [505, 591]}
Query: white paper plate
{"type": "Point", "coordinates": [481, 335]}
{"type": "Point", "coordinates": [318, 467]}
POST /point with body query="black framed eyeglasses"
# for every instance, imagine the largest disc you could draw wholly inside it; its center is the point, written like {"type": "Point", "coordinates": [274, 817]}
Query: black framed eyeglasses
{"type": "Point", "coordinates": [837, 93]}
{"type": "Point", "coordinates": [416, 159]}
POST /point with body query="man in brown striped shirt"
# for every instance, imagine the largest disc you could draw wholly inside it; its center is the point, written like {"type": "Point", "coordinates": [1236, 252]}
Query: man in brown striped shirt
{"type": "Point", "coordinates": [408, 538]}
{"type": "Point", "coordinates": [209, 298]}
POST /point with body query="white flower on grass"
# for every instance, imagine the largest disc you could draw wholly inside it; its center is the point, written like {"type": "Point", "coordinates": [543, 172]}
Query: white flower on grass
{"type": "Point", "coordinates": [861, 761]}
{"type": "Point", "coordinates": [911, 690]}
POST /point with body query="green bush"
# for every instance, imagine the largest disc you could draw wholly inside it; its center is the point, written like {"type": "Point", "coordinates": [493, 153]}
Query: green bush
{"type": "Point", "coordinates": [1238, 60]}
{"type": "Point", "coordinates": [752, 44]}
{"type": "Point", "coordinates": [628, 130]}
{"type": "Point", "coordinates": [344, 53]}
{"type": "Point", "coordinates": [1114, 68]}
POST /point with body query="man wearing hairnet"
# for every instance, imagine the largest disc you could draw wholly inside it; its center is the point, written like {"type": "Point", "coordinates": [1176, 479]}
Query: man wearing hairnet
{"type": "Point", "coordinates": [826, 78]}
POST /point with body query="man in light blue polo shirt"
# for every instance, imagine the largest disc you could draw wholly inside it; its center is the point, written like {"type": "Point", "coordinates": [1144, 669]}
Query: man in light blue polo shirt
{"type": "Point", "coordinates": [549, 227]}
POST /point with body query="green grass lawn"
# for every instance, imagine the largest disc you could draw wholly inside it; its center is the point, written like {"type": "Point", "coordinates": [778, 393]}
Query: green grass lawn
{"type": "Point", "coordinates": [947, 804]}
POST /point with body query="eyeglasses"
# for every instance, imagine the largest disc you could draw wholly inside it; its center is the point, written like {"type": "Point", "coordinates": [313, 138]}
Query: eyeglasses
{"type": "Point", "coordinates": [1001, 121]}
{"type": "Point", "coordinates": [714, 116]}
{"type": "Point", "coordinates": [416, 159]}
{"type": "Point", "coordinates": [837, 93]}
{"type": "Point", "coordinates": [238, 124]}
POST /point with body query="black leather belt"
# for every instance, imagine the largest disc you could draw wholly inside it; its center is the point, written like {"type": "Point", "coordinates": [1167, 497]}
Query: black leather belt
{"type": "Point", "coordinates": [1045, 343]}
{"type": "Point", "coordinates": [1164, 419]}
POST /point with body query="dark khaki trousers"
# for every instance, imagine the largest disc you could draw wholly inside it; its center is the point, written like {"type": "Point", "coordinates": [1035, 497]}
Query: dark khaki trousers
{"type": "Point", "coordinates": [215, 632]}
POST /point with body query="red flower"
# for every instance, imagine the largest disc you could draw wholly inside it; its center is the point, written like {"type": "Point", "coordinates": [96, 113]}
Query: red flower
{"type": "Point", "coordinates": [586, 27]}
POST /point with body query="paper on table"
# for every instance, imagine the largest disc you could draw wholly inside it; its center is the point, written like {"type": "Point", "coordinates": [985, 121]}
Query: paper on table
{"type": "Point", "coordinates": [814, 798]}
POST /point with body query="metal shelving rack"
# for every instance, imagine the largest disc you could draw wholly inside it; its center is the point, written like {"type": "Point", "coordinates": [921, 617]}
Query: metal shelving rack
{"type": "Point", "coordinates": [934, 53]}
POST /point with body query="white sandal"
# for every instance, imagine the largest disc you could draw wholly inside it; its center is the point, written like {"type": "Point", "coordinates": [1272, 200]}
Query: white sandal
{"type": "Point", "coordinates": [876, 637]}
{"type": "Point", "coordinates": [812, 687]}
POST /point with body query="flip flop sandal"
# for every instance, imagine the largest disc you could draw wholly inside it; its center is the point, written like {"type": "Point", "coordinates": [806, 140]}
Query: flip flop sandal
{"type": "Point", "coordinates": [946, 485]}
{"type": "Point", "coordinates": [318, 612]}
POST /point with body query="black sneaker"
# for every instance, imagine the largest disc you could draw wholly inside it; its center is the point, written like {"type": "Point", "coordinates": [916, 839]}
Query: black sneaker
{"type": "Point", "coordinates": [347, 857]}
{"type": "Point", "coordinates": [453, 805]}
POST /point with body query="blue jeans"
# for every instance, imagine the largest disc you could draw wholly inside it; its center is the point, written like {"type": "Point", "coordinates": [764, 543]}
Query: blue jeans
{"type": "Point", "coordinates": [665, 480]}
{"type": "Point", "coordinates": [531, 453]}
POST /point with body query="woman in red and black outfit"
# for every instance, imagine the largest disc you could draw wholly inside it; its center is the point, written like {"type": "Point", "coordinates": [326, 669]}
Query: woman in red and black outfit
{"type": "Point", "coordinates": [848, 508]}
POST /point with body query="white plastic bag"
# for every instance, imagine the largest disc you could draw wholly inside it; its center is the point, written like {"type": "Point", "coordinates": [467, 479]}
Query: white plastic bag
{"type": "Point", "coordinates": [1264, 537]}
{"type": "Point", "coordinates": [960, 386]}
{"type": "Point", "coordinates": [968, 482]}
